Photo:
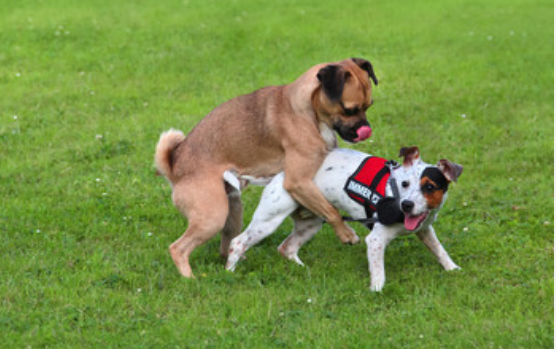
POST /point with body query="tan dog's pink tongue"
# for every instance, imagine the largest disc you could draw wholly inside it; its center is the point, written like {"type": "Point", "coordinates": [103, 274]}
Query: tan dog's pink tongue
{"type": "Point", "coordinates": [363, 133]}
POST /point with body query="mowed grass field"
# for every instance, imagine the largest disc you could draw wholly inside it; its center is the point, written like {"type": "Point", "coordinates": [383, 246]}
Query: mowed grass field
{"type": "Point", "coordinates": [88, 86]}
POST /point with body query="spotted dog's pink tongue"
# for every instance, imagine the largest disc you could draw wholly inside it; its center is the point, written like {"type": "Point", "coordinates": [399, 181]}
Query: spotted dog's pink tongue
{"type": "Point", "coordinates": [363, 133]}
{"type": "Point", "coordinates": [413, 222]}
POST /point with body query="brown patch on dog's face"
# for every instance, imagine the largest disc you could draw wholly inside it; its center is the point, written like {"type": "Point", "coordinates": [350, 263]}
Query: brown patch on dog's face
{"type": "Point", "coordinates": [344, 96]}
{"type": "Point", "coordinates": [432, 193]}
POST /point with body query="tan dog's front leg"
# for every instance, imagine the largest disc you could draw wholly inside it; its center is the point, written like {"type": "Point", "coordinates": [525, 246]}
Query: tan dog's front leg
{"type": "Point", "coordinates": [299, 183]}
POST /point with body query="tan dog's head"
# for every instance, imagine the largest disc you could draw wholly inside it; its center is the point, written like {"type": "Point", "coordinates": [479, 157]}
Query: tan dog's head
{"type": "Point", "coordinates": [343, 97]}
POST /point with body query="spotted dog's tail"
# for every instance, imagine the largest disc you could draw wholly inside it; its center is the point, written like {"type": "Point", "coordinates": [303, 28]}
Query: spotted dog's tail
{"type": "Point", "coordinates": [169, 140]}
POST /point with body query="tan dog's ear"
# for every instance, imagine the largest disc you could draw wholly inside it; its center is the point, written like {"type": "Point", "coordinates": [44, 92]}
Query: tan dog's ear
{"type": "Point", "coordinates": [366, 66]}
{"type": "Point", "coordinates": [450, 170]}
{"type": "Point", "coordinates": [333, 78]}
{"type": "Point", "coordinates": [410, 155]}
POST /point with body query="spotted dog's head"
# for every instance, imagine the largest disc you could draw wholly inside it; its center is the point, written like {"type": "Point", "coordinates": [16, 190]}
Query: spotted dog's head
{"type": "Point", "coordinates": [422, 187]}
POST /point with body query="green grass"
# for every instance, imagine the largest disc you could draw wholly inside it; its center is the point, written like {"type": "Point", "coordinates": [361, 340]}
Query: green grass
{"type": "Point", "coordinates": [88, 86]}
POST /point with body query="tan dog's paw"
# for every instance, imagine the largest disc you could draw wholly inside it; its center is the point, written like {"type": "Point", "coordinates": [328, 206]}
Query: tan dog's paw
{"type": "Point", "coordinates": [181, 263]}
{"type": "Point", "coordinates": [346, 234]}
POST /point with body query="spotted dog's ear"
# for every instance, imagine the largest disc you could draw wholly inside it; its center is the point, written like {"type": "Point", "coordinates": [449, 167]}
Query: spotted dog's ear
{"type": "Point", "coordinates": [332, 79]}
{"type": "Point", "coordinates": [410, 155]}
{"type": "Point", "coordinates": [366, 66]}
{"type": "Point", "coordinates": [449, 169]}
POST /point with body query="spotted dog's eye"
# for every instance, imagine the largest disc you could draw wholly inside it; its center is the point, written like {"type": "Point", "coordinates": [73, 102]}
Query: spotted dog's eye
{"type": "Point", "coordinates": [405, 184]}
{"type": "Point", "coordinates": [429, 187]}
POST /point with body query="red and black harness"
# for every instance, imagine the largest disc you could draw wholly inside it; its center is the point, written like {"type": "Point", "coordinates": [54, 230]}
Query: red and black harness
{"type": "Point", "coordinates": [367, 186]}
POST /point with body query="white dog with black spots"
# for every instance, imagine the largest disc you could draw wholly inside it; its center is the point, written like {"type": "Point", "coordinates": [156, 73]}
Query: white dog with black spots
{"type": "Point", "coordinates": [421, 189]}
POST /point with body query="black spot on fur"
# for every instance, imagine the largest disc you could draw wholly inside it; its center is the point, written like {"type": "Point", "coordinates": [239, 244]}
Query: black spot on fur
{"type": "Point", "coordinates": [435, 175]}
{"type": "Point", "coordinates": [329, 168]}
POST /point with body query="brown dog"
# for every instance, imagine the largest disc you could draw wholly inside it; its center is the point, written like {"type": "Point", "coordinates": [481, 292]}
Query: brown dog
{"type": "Point", "coordinates": [278, 128]}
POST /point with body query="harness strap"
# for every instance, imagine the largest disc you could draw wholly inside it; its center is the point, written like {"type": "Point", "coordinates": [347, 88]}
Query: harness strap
{"type": "Point", "coordinates": [378, 178]}
{"type": "Point", "coordinates": [370, 217]}
{"type": "Point", "coordinates": [371, 220]}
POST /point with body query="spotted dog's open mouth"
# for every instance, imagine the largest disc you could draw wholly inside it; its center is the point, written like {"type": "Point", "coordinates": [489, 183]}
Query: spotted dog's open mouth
{"type": "Point", "coordinates": [412, 223]}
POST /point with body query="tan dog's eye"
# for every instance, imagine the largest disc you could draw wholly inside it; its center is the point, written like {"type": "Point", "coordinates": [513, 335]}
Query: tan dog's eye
{"type": "Point", "coordinates": [365, 107]}
{"type": "Point", "coordinates": [349, 111]}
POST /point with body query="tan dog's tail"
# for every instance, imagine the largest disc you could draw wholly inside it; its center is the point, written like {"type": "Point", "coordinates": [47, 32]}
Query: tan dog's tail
{"type": "Point", "coordinates": [169, 140]}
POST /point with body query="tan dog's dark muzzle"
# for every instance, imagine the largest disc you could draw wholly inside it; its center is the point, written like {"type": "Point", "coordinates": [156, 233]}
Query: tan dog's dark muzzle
{"type": "Point", "coordinates": [357, 133]}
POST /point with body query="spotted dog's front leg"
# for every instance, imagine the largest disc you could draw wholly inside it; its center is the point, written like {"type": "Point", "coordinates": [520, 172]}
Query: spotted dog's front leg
{"type": "Point", "coordinates": [305, 228]}
{"type": "Point", "coordinates": [377, 241]}
{"type": "Point", "coordinates": [428, 237]}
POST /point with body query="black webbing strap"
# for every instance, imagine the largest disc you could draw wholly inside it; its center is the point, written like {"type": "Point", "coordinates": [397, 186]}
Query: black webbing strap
{"type": "Point", "coordinates": [370, 219]}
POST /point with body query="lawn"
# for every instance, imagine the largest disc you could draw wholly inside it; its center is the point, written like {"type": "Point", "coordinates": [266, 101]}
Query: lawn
{"type": "Point", "coordinates": [88, 86]}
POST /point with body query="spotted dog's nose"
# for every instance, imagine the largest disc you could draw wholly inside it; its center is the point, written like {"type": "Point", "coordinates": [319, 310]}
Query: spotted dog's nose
{"type": "Point", "coordinates": [407, 206]}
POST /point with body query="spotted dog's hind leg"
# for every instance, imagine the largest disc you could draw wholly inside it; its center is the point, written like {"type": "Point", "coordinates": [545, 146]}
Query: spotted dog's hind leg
{"type": "Point", "coordinates": [276, 204]}
{"type": "Point", "coordinates": [305, 228]}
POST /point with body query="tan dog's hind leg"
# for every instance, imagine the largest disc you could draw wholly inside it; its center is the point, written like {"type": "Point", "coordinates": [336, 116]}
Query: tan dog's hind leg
{"type": "Point", "coordinates": [234, 222]}
{"type": "Point", "coordinates": [205, 204]}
